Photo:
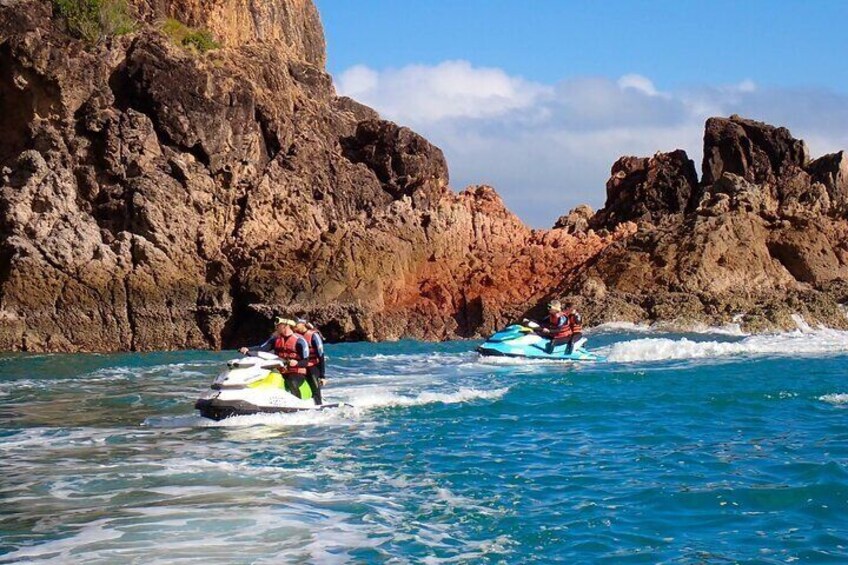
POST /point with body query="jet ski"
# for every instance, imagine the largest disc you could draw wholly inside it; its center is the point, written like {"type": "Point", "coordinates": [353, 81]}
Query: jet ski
{"type": "Point", "coordinates": [254, 385]}
{"type": "Point", "coordinates": [520, 340]}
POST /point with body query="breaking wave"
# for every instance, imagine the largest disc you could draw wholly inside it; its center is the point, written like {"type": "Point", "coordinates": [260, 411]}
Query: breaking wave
{"type": "Point", "coordinates": [838, 399]}
{"type": "Point", "coordinates": [804, 343]}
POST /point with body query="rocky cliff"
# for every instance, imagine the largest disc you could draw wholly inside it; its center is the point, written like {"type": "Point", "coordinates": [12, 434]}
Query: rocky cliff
{"type": "Point", "coordinates": [157, 197]}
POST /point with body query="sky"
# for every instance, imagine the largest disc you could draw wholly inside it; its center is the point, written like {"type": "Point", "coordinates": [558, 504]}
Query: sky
{"type": "Point", "coordinates": [539, 98]}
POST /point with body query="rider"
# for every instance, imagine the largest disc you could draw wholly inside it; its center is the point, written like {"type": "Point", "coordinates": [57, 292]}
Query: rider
{"type": "Point", "coordinates": [555, 327]}
{"type": "Point", "coordinates": [575, 323]}
{"type": "Point", "coordinates": [315, 366]}
{"type": "Point", "coordinates": [292, 349]}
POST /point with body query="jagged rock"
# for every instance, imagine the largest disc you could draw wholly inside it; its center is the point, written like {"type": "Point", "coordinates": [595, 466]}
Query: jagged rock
{"type": "Point", "coordinates": [755, 151]}
{"type": "Point", "coordinates": [760, 232]}
{"type": "Point", "coordinates": [404, 162]}
{"type": "Point", "coordinates": [648, 189]}
{"type": "Point", "coordinates": [576, 221]}
{"type": "Point", "coordinates": [832, 171]}
{"type": "Point", "coordinates": [807, 254]}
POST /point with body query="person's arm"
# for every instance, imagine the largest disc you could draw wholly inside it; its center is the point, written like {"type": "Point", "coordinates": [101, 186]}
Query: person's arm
{"type": "Point", "coordinates": [318, 345]}
{"type": "Point", "coordinates": [268, 345]}
{"type": "Point", "coordinates": [302, 353]}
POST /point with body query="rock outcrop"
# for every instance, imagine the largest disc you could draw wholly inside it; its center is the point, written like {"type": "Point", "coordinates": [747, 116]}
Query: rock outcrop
{"type": "Point", "coordinates": [153, 197]}
{"type": "Point", "coordinates": [157, 198]}
{"type": "Point", "coordinates": [761, 238]}
{"type": "Point", "coordinates": [648, 189]}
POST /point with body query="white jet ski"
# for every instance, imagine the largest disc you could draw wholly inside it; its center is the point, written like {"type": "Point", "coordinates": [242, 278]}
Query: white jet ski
{"type": "Point", "coordinates": [253, 385]}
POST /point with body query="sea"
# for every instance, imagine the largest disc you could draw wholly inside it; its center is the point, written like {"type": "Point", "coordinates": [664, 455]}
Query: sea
{"type": "Point", "coordinates": [704, 447]}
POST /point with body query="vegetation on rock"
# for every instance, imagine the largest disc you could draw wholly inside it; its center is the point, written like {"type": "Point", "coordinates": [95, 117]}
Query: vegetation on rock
{"type": "Point", "coordinates": [96, 20]}
{"type": "Point", "coordinates": [201, 39]}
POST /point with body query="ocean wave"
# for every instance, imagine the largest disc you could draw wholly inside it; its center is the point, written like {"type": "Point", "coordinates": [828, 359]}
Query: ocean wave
{"type": "Point", "coordinates": [389, 399]}
{"type": "Point", "coordinates": [805, 343]}
{"type": "Point", "coordinates": [358, 402]}
{"type": "Point", "coordinates": [733, 329]}
{"type": "Point", "coordinates": [504, 361]}
{"type": "Point", "coordinates": [836, 398]}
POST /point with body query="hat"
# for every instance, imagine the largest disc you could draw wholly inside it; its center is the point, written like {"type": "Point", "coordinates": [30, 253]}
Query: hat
{"type": "Point", "coordinates": [301, 321]}
{"type": "Point", "coordinates": [285, 321]}
{"type": "Point", "coordinates": [555, 305]}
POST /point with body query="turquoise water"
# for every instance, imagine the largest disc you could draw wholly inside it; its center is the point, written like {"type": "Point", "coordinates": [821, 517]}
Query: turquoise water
{"type": "Point", "coordinates": [705, 448]}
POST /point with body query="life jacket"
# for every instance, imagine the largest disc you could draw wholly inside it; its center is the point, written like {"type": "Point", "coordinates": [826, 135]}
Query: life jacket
{"type": "Point", "coordinates": [561, 331]}
{"type": "Point", "coordinates": [314, 358]}
{"type": "Point", "coordinates": [575, 320]}
{"type": "Point", "coordinates": [286, 348]}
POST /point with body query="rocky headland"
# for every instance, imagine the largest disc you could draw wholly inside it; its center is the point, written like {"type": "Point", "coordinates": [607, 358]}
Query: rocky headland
{"type": "Point", "coordinates": [157, 195]}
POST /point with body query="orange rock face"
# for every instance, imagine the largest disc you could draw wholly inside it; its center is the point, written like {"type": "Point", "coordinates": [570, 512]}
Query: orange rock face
{"type": "Point", "coordinates": [152, 197]}
{"type": "Point", "coordinates": [157, 198]}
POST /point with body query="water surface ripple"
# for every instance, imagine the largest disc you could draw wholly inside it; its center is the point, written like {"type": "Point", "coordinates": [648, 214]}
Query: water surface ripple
{"type": "Point", "coordinates": [683, 449]}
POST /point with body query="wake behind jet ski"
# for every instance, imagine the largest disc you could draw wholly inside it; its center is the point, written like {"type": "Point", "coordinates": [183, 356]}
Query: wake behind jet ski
{"type": "Point", "coordinates": [254, 385]}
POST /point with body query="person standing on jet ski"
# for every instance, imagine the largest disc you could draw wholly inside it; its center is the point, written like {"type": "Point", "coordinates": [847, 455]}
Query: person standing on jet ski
{"type": "Point", "coordinates": [315, 365]}
{"type": "Point", "coordinates": [555, 327]}
{"type": "Point", "coordinates": [575, 324]}
{"type": "Point", "coordinates": [290, 347]}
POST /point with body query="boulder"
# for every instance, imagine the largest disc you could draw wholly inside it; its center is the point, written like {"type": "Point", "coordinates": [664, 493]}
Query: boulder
{"type": "Point", "coordinates": [576, 221]}
{"type": "Point", "coordinates": [753, 150]}
{"type": "Point", "coordinates": [832, 172]}
{"type": "Point", "coordinates": [648, 189]}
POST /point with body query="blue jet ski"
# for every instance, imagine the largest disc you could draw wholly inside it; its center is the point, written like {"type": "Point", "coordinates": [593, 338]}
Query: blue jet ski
{"type": "Point", "coordinates": [522, 341]}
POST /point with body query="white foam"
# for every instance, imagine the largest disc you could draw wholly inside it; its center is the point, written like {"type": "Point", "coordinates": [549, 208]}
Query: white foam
{"type": "Point", "coordinates": [361, 400]}
{"type": "Point", "coordinates": [387, 399]}
{"type": "Point", "coordinates": [812, 342]}
{"type": "Point", "coordinates": [801, 323]}
{"type": "Point", "coordinates": [614, 327]}
{"type": "Point", "coordinates": [526, 362]}
{"type": "Point", "coordinates": [840, 398]}
{"type": "Point", "coordinates": [663, 327]}
{"type": "Point", "coordinates": [63, 550]}
{"type": "Point", "coordinates": [285, 419]}
{"type": "Point", "coordinates": [429, 358]}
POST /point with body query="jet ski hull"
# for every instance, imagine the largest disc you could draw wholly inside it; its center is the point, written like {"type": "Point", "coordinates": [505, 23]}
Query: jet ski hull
{"type": "Point", "coordinates": [523, 342]}
{"type": "Point", "coordinates": [214, 409]}
{"type": "Point", "coordinates": [253, 385]}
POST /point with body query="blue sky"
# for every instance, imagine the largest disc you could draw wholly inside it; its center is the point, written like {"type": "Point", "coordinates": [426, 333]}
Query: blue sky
{"type": "Point", "coordinates": [539, 98]}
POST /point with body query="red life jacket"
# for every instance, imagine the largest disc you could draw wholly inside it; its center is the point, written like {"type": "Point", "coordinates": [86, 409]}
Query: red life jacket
{"type": "Point", "coordinates": [561, 331]}
{"type": "Point", "coordinates": [286, 348]}
{"type": "Point", "coordinates": [575, 321]}
{"type": "Point", "coordinates": [313, 352]}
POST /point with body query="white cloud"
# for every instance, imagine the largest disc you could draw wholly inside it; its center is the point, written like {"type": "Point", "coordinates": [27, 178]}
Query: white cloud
{"type": "Point", "coordinates": [547, 148]}
{"type": "Point", "coordinates": [452, 89]}
{"type": "Point", "coordinates": [638, 82]}
{"type": "Point", "coordinates": [358, 81]}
